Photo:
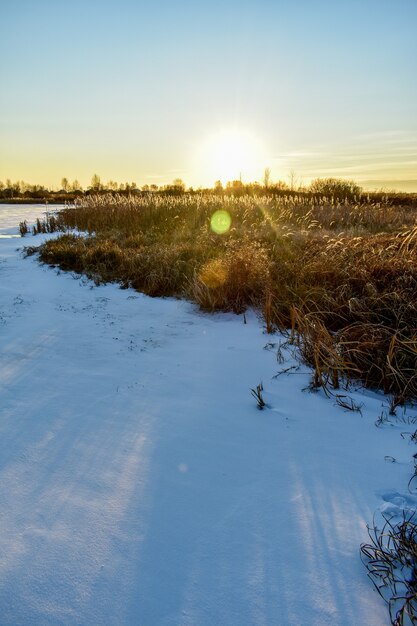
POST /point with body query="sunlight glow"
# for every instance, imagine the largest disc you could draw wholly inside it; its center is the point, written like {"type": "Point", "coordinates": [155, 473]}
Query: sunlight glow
{"type": "Point", "coordinates": [213, 274]}
{"type": "Point", "coordinates": [232, 155]}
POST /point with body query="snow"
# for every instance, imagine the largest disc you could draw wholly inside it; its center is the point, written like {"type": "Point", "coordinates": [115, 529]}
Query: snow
{"type": "Point", "coordinates": [12, 214]}
{"type": "Point", "coordinates": [140, 485]}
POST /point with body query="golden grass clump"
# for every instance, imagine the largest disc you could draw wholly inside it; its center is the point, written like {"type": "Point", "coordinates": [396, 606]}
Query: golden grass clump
{"type": "Point", "coordinates": [234, 280]}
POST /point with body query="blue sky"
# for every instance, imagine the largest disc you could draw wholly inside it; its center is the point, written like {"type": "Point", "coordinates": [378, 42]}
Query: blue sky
{"type": "Point", "coordinates": [133, 90]}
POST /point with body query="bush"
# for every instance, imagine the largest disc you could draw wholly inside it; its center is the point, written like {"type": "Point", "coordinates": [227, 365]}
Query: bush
{"type": "Point", "coordinates": [335, 187]}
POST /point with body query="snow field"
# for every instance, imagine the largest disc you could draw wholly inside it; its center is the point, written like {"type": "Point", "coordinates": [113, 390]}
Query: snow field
{"type": "Point", "coordinates": [140, 485]}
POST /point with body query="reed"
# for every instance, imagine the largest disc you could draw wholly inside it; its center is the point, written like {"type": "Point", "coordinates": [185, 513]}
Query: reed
{"type": "Point", "coordinates": [390, 558]}
{"type": "Point", "coordinates": [341, 274]}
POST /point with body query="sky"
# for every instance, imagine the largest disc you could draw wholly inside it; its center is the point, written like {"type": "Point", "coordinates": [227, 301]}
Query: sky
{"type": "Point", "coordinates": [153, 91]}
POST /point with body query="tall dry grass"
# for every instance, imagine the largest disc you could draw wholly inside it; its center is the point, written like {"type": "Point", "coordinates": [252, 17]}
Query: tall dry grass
{"type": "Point", "coordinates": [342, 275]}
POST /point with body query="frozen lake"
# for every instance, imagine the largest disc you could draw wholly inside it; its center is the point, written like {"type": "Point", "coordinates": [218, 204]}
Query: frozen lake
{"type": "Point", "coordinates": [12, 214]}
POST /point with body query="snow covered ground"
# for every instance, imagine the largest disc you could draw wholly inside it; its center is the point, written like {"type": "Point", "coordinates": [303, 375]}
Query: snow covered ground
{"type": "Point", "coordinates": [140, 485]}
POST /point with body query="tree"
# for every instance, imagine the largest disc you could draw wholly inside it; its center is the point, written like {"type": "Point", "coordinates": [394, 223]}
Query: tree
{"type": "Point", "coordinates": [76, 185]}
{"type": "Point", "coordinates": [176, 187]}
{"type": "Point", "coordinates": [293, 180]}
{"type": "Point", "coordinates": [267, 177]}
{"type": "Point", "coordinates": [235, 185]}
{"type": "Point", "coordinates": [335, 187]}
{"type": "Point", "coordinates": [235, 188]}
{"type": "Point", "coordinates": [218, 187]}
{"type": "Point", "coordinates": [112, 185]}
{"type": "Point", "coordinates": [179, 184]}
{"type": "Point", "coordinates": [96, 183]}
{"type": "Point", "coordinates": [281, 185]}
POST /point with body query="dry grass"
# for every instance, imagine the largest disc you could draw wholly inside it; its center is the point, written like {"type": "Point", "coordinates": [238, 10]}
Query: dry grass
{"type": "Point", "coordinates": [342, 275]}
{"type": "Point", "coordinates": [391, 560]}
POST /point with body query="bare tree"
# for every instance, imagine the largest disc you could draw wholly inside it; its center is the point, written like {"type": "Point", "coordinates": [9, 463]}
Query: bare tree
{"type": "Point", "coordinates": [267, 177]}
{"type": "Point", "coordinates": [293, 180]}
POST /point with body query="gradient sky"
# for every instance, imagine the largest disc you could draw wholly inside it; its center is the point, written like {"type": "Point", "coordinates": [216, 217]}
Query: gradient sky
{"type": "Point", "coordinates": [134, 90]}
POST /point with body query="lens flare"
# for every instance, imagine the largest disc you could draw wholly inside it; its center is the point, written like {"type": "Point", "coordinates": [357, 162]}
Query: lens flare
{"type": "Point", "coordinates": [220, 222]}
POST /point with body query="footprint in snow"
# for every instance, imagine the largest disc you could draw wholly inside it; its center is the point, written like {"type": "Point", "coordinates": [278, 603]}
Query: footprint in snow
{"type": "Point", "coordinates": [396, 504]}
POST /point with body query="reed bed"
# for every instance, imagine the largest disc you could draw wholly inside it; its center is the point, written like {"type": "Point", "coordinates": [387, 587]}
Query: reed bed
{"type": "Point", "coordinates": [341, 274]}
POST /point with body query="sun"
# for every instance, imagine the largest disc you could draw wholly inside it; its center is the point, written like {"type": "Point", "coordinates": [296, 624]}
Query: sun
{"type": "Point", "coordinates": [232, 155]}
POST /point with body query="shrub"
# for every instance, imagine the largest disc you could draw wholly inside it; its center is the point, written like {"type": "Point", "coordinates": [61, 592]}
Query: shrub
{"type": "Point", "coordinates": [335, 187]}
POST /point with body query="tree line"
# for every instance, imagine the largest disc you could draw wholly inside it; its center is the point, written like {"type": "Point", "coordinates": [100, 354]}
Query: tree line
{"type": "Point", "coordinates": [69, 190]}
